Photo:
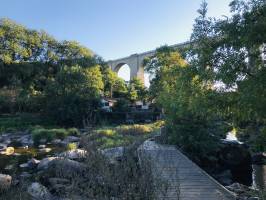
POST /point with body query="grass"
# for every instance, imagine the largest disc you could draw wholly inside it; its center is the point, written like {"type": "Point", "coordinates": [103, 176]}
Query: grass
{"type": "Point", "coordinates": [21, 122]}
{"type": "Point", "coordinates": [49, 134]}
{"type": "Point", "coordinates": [108, 136]}
{"type": "Point", "coordinates": [124, 135]}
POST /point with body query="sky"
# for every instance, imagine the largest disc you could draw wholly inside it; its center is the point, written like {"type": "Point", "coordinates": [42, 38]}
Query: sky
{"type": "Point", "coordinates": [112, 28]}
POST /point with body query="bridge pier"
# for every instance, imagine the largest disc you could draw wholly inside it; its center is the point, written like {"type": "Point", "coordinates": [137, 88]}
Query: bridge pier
{"type": "Point", "coordinates": [135, 62]}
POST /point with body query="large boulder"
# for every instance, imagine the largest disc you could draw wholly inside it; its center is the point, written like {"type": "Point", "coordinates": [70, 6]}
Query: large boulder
{"type": "Point", "coordinates": [114, 154]}
{"type": "Point", "coordinates": [5, 181]}
{"type": "Point", "coordinates": [39, 192]}
{"type": "Point", "coordinates": [225, 177]}
{"type": "Point", "coordinates": [44, 163]}
{"type": "Point", "coordinates": [33, 163]}
{"type": "Point", "coordinates": [71, 139]}
{"type": "Point", "coordinates": [60, 185]}
{"type": "Point", "coordinates": [236, 158]}
{"type": "Point", "coordinates": [234, 154]}
{"type": "Point", "coordinates": [45, 150]}
{"type": "Point", "coordinates": [62, 168]}
{"type": "Point", "coordinates": [66, 166]}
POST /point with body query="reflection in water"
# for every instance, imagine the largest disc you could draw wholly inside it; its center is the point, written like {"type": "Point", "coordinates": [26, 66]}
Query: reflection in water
{"type": "Point", "coordinates": [259, 176]}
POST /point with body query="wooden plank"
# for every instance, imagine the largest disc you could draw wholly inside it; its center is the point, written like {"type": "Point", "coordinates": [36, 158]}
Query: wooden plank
{"type": "Point", "coordinates": [184, 179]}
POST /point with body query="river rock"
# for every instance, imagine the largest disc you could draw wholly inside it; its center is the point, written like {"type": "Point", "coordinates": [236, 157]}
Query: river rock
{"type": "Point", "coordinates": [74, 154]}
{"type": "Point", "coordinates": [67, 165]}
{"type": "Point", "coordinates": [9, 167]}
{"type": "Point", "coordinates": [45, 150]}
{"type": "Point", "coordinates": [45, 162]}
{"type": "Point", "coordinates": [242, 191]}
{"type": "Point", "coordinates": [5, 181]}
{"type": "Point", "coordinates": [10, 151]}
{"type": "Point", "coordinates": [39, 192]}
{"type": "Point", "coordinates": [43, 141]}
{"type": "Point", "coordinates": [225, 177]}
{"type": "Point", "coordinates": [60, 184]}
{"type": "Point", "coordinates": [70, 139]}
{"type": "Point", "coordinates": [259, 159]}
{"type": "Point", "coordinates": [26, 140]}
{"type": "Point", "coordinates": [56, 141]}
{"type": "Point", "coordinates": [236, 158]}
{"type": "Point", "coordinates": [24, 165]}
{"type": "Point", "coordinates": [25, 175]}
{"type": "Point", "coordinates": [63, 168]}
{"type": "Point", "coordinates": [114, 154]}
{"type": "Point", "coordinates": [3, 147]}
{"type": "Point", "coordinates": [42, 146]}
{"type": "Point", "coordinates": [33, 163]}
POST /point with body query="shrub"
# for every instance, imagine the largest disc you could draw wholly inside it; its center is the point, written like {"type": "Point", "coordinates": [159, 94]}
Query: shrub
{"type": "Point", "coordinates": [59, 133]}
{"type": "Point", "coordinates": [42, 133]}
{"type": "Point", "coordinates": [48, 134]}
{"type": "Point", "coordinates": [107, 132]}
{"type": "Point", "coordinates": [260, 143]}
{"type": "Point", "coordinates": [5, 104]}
{"type": "Point", "coordinates": [134, 130]}
{"type": "Point", "coordinates": [73, 131]}
{"type": "Point", "coordinates": [72, 146]}
{"type": "Point", "coordinates": [77, 92]}
{"type": "Point", "coordinates": [100, 180]}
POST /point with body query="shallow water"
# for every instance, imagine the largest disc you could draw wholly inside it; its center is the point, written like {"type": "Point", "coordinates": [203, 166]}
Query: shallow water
{"type": "Point", "coordinates": [9, 164]}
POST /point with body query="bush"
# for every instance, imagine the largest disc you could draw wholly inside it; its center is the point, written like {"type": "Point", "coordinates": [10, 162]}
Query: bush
{"type": "Point", "coordinates": [77, 91]}
{"type": "Point", "coordinates": [48, 134]}
{"type": "Point", "coordinates": [260, 143]}
{"type": "Point", "coordinates": [5, 104]}
{"type": "Point", "coordinates": [134, 130]}
{"type": "Point", "coordinates": [42, 133]}
{"type": "Point", "coordinates": [72, 146]}
{"type": "Point", "coordinates": [107, 132]}
{"type": "Point", "coordinates": [73, 131]}
{"type": "Point", "coordinates": [59, 133]}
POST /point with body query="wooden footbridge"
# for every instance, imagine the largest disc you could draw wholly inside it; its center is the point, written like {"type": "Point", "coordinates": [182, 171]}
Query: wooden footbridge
{"type": "Point", "coordinates": [178, 178]}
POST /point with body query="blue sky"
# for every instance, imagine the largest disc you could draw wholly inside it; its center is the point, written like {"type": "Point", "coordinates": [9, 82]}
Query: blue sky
{"type": "Point", "coordinates": [112, 28]}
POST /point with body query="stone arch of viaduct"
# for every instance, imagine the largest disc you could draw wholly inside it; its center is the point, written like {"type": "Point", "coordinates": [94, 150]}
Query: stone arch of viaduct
{"type": "Point", "coordinates": [135, 62]}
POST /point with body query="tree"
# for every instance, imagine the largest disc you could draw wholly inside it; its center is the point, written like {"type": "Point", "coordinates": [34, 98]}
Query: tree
{"type": "Point", "coordinates": [73, 94]}
{"type": "Point", "coordinates": [187, 102]}
{"type": "Point", "coordinates": [136, 90]}
{"type": "Point", "coordinates": [222, 79]}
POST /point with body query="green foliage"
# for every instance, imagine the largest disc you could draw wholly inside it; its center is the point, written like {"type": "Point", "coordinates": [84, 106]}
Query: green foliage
{"type": "Point", "coordinates": [107, 132]}
{"type": "Point", "coordinates": [123, 135]}
{"type": "Point", "coordinates": [22, 122]}
{"type": "Point", "coordinates": [134, 130]}
{"type": "Point", "coordinates": [43, 75]}
{"type": "Point", "coordinates": [222, 79]}
{"type": "Point", "coordinates": [73, 131]}
{"type": "Point", "coordinates": [260, 143]}
{"type": "Point", "coordinates": [17, 44]}
{"type": "Point", "coordinates": [73, 94]}
{"type": "Point", "coordinates": [136, 90]}
{"type": "Point", "coordinates": [71, 146]}
{"type": "Point", "coordinates": [48, 134]}
{"type": "Point", "coordinates": [42, 133]}
{"type": "Point", "coordinates": [122, 105]}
